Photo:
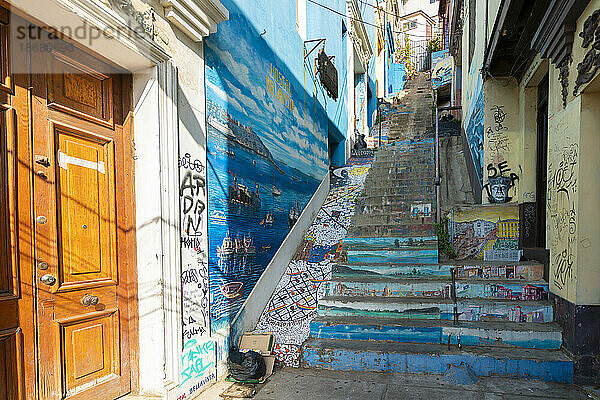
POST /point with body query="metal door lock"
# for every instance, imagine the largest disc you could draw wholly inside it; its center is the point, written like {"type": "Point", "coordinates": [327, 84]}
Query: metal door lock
{"type": "Point", "coordinates": [42, 265]}
{"type": "Point", "coordinates": [42, 160]}
{"type": "Point", "coordinates": [89, 300]}
{"type": "Point", "coordinates": [48, 279]}
{"type": "Point", "coordinates": [42, 174]}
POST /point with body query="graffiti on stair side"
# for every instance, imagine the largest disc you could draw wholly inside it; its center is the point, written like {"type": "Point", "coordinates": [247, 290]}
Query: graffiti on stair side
{"type": "Point", "coordinates": [293, 304]}
{"type": "Point", "coordinates": [486, 232]}
{"type": "Point", "coordinates": [533, 272]}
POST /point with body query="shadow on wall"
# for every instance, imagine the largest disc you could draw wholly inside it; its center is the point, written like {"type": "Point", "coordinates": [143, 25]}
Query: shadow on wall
{"type": "Point", "coordinates": [266, 155]}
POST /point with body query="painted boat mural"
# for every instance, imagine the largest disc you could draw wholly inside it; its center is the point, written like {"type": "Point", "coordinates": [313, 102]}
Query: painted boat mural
{"type": "Point", "coordinates": [265, 158]}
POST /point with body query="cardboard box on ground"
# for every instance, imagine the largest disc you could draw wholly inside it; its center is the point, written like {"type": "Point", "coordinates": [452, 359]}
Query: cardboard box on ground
{"type": "Point", "coordinates": [261, 343]}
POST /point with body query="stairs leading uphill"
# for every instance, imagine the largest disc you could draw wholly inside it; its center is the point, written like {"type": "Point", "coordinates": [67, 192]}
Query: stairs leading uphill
{"type": "Point", "coordinates": [393, 307]}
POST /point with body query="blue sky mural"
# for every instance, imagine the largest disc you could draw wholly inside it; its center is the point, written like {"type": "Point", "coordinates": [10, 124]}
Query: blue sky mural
{"type": "Point", "coordinates": [265, 158]}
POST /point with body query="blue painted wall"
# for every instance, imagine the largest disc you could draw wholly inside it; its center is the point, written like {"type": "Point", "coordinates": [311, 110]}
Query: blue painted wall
{"type": "Point", "coordinates": [267, 137]}
{"type": "Point", "coordinates": [397, 78]}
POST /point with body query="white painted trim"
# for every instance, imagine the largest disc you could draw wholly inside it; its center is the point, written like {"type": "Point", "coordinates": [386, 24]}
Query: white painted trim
{"type": "Point", "coordinates": [170, 230]}
{"type": "Point", "coordinates": [125, 47]}
{"type": "Point", "coordinates": [250, 312]}
{"type": "Point", "coordinates": [195, 18]}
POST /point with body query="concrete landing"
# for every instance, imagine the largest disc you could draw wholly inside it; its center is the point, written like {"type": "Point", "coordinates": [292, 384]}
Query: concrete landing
{"type": "Point", "coordinates": [355, 355]}
{"type": "Point", "coordinates": [301, 384]}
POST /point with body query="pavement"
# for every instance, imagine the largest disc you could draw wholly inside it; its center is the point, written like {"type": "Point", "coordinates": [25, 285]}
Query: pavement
{"type": "Point", "coordinates": [310, 384]}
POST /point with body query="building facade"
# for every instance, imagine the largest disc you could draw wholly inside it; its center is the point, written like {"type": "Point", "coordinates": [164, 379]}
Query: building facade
{"type": "Point", "coordinates": [530, 105]}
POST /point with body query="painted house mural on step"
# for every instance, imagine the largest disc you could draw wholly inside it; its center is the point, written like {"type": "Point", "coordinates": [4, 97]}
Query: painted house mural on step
{"type": "Point", "coordinates": [265, 159]}
{"type": "Point", "coordinates": [489, 232]}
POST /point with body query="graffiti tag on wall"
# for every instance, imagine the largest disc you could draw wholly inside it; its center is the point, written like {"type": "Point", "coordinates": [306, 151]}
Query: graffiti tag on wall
{"type": "Point", "coordinates": [562, 189]}
{"type": "Point", "coordinates": [497, 139]}
{"type": "Point", "coordinates": [194, 267]}
{"type": "Point", "coordinates": [197, 360]}
{"type": "Point", "coordinates": [500, 181]}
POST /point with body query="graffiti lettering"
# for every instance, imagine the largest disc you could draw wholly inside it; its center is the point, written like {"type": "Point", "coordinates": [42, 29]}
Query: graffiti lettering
{"type": "Point", "coordinates": [194, 271]}
{"type": "Point", "coordinates": [499, 117]}
{"type": "Point", "coordinates": [192, 243]}
{"type": "Point", "coordinates": [563, 268]}
{"type": "Point", "coordinates": [499, 184]}
{"type": "Point", "coordinates": [189, 333]}
{"type": "Point", "coordinates": [195, 165]}
{"type": "Point", "coordinates": [192, 205]}
{"type": "Point", "coordinates": [197, 359]}
{"type": "Point", "coordinates": [563, 178]}
{"type": "Point", "coordinates": [188, 276]}
{"type": "Point", "coordinates": [562, 185]}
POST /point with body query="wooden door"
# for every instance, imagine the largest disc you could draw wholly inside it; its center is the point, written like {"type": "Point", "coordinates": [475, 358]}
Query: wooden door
{"type": "Point", "coordinates": [83, 215]}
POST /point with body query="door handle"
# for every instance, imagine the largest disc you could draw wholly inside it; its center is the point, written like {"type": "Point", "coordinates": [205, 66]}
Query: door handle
{"type": "Point", "coordinates": [89, 300]}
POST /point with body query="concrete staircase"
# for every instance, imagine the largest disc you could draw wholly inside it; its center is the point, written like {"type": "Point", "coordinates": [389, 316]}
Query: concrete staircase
{"type": "Point", "coordinates": [393, 307]}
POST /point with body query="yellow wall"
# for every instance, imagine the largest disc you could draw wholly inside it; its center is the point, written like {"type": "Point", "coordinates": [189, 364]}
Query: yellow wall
{"type": "Point", "coordinates": [502, 152]}
{"type": "Point", "coordinates": [562, 195]}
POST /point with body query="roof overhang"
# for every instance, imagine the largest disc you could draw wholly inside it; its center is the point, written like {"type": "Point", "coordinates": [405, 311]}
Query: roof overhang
{"type": "Point", "coordinates": [553, 38]}
{"type": "Point", "coordinates": [525, 27]}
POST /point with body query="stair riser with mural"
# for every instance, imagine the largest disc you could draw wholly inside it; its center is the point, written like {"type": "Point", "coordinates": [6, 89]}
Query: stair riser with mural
{"type": "Point", "coordinates": [436, 363]}
{"type": "Point", "coordinates": [465, 310]}
{"type": "Point", "coordinates": [436, 289]}
{"type": "Point", "coordinates": [442, 335]}
{"type": "Point", "coordinates": [480, 272]}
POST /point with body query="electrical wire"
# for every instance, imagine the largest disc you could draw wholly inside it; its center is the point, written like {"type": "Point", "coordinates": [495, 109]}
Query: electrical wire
{"type": "Point", "coordinates": [362, 21]}
{"type": "Point", "coordinates": [390, 13]}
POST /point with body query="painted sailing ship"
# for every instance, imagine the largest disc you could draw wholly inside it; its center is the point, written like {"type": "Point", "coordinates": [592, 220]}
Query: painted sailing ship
{"type": "Point", "coordinates": [269, 219]}
{"type": "Point", "coordinates": [249, 245]}
{"type": "Point", "coordinates": [227, 247]}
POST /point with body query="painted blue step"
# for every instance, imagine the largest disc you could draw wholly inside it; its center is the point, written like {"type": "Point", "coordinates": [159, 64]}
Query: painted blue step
{"type": "Point", "coordinates": [393, 256]}
{"type": "Point", "coordinates": [358, 355]}
{"type": "Point", "coordinates": [424, 308]}
{"type": "Point", "coordinates": [530, 271]}
{"type": "Point", "coordinates": [436, 288]}
{"type": "Point", "coordinates": [390, 243]}
{"type": "Point", "coordinates": [496, 334]}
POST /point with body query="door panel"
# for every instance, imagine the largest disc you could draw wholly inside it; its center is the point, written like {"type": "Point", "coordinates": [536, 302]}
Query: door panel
{"type": "Point", "coordinates": [80, 87]}
{"type": "Point", "coordinates": [82, 206]}
{"type": "Point", "coordinates": [87, 208]}
{"type": "Point", "coordinates": [90, 352]}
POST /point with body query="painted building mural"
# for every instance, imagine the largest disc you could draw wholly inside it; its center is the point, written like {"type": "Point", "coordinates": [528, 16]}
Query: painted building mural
{"type": "Point", "coordinates": [489, 232]}
{"type": "Point", "coordinates": [266, 155]}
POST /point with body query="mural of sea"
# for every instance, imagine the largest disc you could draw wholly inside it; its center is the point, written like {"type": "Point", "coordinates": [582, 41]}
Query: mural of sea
{"type": "Point", "coordinates": [265, 160]}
